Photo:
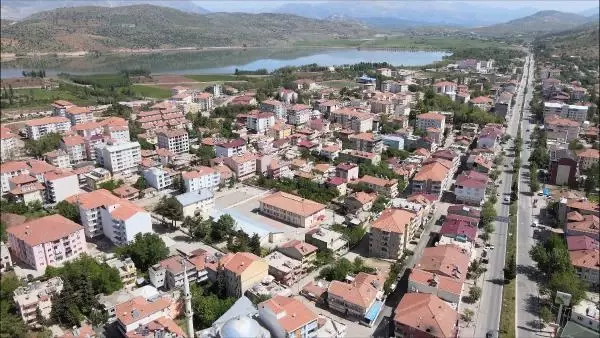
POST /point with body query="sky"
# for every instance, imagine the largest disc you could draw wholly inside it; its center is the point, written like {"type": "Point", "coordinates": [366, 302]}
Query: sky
{"type": "Point", "coordinates": [262, 6]}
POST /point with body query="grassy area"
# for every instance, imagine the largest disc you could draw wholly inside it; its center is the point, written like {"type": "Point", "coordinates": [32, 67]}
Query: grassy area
{"type": "Point", "coordinates": [151, 91]}
{"type": "Point", "coordinates": [37, 97]}
{"type": "Point", "coordinates": [507, 316]}
{"type": "Point", "coordinates": [594, 198]}
{"type": "Point", "coordinates": [331, 43]}
{"type": "Point", "coordinates": [421, 43]}
{"type": "Point", "coordinates": [339, 84]}
{"type": "Point", "coordinates": [212, 77]}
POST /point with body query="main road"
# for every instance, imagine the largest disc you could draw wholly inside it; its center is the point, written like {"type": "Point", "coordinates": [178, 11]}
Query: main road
{"type": "Point", "coordinates": [527, 288]}
{"type": "Point", "coordinates": [490, 306]}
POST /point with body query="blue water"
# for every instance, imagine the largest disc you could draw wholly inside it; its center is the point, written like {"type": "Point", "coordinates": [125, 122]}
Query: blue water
{"type": "Point", "coordinates": [374, 311]}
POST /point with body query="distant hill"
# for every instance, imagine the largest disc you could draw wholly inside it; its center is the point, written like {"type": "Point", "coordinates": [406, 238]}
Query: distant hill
{"type": "Point", "coordinates": [581, 41]}
{"type": "Point", "coordinates": [146, 26]}
{"type": "Point", "coordinates": [538, 23]}
{"type": "Point", "coordinates": [591, 13]}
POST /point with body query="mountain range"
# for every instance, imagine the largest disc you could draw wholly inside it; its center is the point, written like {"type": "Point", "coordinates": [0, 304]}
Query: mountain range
{"type": "Point", "coordinates": [538, 23]}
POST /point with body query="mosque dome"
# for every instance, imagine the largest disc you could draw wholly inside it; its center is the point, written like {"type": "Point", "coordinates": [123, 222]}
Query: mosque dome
{"type": "Point", "coordinates": [240, 327]}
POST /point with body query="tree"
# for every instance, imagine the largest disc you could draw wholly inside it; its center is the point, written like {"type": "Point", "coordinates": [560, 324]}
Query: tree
{"type": "Point", "coordinates": [254, 245]}
{"type": "Point", "coordinates": [474, 293]}
{"type": "Point", "coordinates": [169, 208]}
{"type": "Point", "coordinates": [546, 315]}
{"type": "Point", "coordinates": [68, 210]}
{"type": "Point", "coordinates": [510, 271]}
{"type": "Point", "coordinates": [467, 316]}
{"type": "Point", "coordinates": [146, 250]}
{"type": "Point", "coordinates": [592, 179]}
{"type": "Point", "coordinates": [110, 185]}
{"type": "Point", "coordinates": [488, 213]}
{"type": "Point", "coordinates": [552, 256]}
{"type": "Point", "coordinates": [141, 183]}
{"type": "Point", "coordinates": [205, 153]}
{"type": "Point", "coordinates": [568, 282]}
{"type": "Point", "coordinates": [44, 144]}
{"type": "Point", "coordinates": [223, 227]}
{"type": "Point", "coordinates": [208, 307]}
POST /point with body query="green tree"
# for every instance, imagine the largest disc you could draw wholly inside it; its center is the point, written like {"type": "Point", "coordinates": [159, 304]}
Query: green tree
{"type": "Point", "coordinates": [208, 307]}
{"type": "Point", "coordinates": [140, 183]}
{"type": "Point", "coordinates": [546, 315]}
{"type": "Point", "coordinates": [254, 245]}
{"type": "Point", "coordinates": [44, 144]}
{"type": "Point", "coordinates": [552, 256]}
{"type": "Point", "coordinates": [205, 153]}
{"type": "Point", "coordinates": [169, 207]}
{"type": "Point", "coordinates": [488, 213]}
{"type": "Point", "coordinates": [510, 271]}
{"type": "Point", "coordinates": [110, 185]}
{"type": "Point", "coordinates": [474, 293]}
{"type": "Point", "coordinates": [592, 179]}
{"type": "Point", "coordinates": [467, 316]}
{"type": "Point", "coordinates": [568, 282]}
{"type": "Point", "coordinates": [146, 250]}
{"type": "Point", "coordinates": [68, 210]}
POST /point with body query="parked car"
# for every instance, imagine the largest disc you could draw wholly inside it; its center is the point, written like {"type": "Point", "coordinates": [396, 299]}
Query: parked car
{"type": "Point", "coordinates": [506, 199]}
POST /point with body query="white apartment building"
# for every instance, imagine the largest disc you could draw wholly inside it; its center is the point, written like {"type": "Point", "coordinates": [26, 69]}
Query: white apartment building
{"type": "Point", "coordinates": [58, 158]}
{"type": "Point", "coordinates": [260, 122]}
{"type": "Point", "coordinates": [567, 111]}
{"type": "Point", "coordinates": [34, 296]}
{"type": "Point", "coordinates": [8, 143]}
{"type": "Point", "coordinates": [104, 213]}
{"type": "Point", "coordinates": [431, 120]}
{"type": "Point", "coordinates": [5, 259]}
{"type": "Point", "coordinates": [176, 140]}
{"type": "Point", "coordinates": [274, 107]}
{"type": "Point", "coordinates": [298, 114]}
{"type": "Point", "coordinates": [231, 148]}
{"type": "Point", "coordinates": [60, 185]}
{"type": "Point", "coordinates": [59, 107]}
{"type": "Point", "coordinates": [204, 100]}
{"type": "Point", "coordinates": [9, 170]}
{"type": "Point", "coordinates": [119, 158]}
{"type": "Point", "coordinates": [159, 178]}
{"type": "Point", "coordinates": [52, 124]}
{"type": "Point", "coordinates": [79, 115]}
{"type": "Point", "coordinates": [74, 146]}
{"type": "Point", "coordinates": [201, 178]}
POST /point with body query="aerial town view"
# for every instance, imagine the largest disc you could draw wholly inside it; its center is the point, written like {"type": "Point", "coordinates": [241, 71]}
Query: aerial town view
{"type": "Point", "coordinates": [299, 169]}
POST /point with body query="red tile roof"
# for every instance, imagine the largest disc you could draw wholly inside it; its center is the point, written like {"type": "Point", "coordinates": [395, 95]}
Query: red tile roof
{"type": "Point", "coordinates": [44, 229]}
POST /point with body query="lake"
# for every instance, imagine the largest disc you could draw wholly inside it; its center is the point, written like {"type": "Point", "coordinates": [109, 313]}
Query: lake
{"type": "Point", "coordinates": [216, 61]}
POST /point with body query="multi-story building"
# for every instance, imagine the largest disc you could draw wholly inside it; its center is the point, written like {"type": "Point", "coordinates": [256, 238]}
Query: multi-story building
{"type": "Point", "coordinates": [431, 120]}
{"type": "Point", "coordinates": [5, 259]}
{"type": "Point", "coordinates": [547, 73]}
{"type": "Point", "coordinates": [326, 239]}
{"type": "Point", "coordinates": [286, 270]}
{"type": "Point", "coordinates": [175, 140]}
{"type": "Point", "coordinates": [352, 119]}
{"type": "Point", "coordinates": [390, 233]}
{"type": "Point", "coordinates": [201, 178]}
{"type": "Point", "coordinates": [26, 189]}
{"type": "Point", "coordinates": [47, 241]}
{"type": "Point", "coordinates": [426, 316]}
{"type": "Point", "coordinates": [298, 114]}
{"type": "Point", "coordinates": [288, 317]}
{"type": "Point", "coordinates": [567, 111]}
{"type": "Point", "coordinates": [503, 104]}
{"type": "Point", "coordinates": [587, 265]}
{"type": "Point", "coordinates": [357, 299]}
{"type": "Point", "coordinates": [367, 142]}
{"type": "Point", "coordinates": [104, 213]}
{"type": "Point", "coordinates": [60, 185]}
{"type": "Point", "coordinates": [274, 107]}
{"type": "Point", "coordinates": [347, 171]}
{"type": "Point", "coordinates": [231, 148]}
{"type": "Point", "coordinates": [432, 178]}
{"type": "Point", "coordinates": [301, 251]}
{"type": "Point", "coordinates": [74, 146]}
{"type": "Point", "coordinates": [169, 273]}
{"type": "Point", "coordinates": [260, 122]}
{"type": "Point", "coordinates": [204, 101]}
{"type": "Point", "coordinates": [52, 124]}
{"type": "Point", "coordinates": [127, 270]}
{"type": "Point", "coordinates": [8, 144]}
{"type": "Point", "coordinates": [381, 185]}
{"type": "Point", "coordinates": [198, 203]}
{"type": "Point", "coordinates": [12, 169]}
{"type": "Point", "coordinates": [563, 168]}
{"type": "Point", "coordinates": [293, 209]}
{"type": "Point", "coordinates": [445, 260]}
{"type": "Point", "coordinates": [482, 102]}
{"type": "Point", "coordinates": [58, 158]}
{"type": "Point", "coordinates": [282, 131]}
{"type": "Point", "coordinates": [240, 271]}
{"type": "Point", "coordinates": [448, 289]}
{"type": "Point", "coordinates": [116, 129]}
{"type": "Point", "coordinates": [79, 115]}
{"type": "Point", "coordinates": [470, 187]}
{"type": "Point", "coordinates": [561, 128]}
{"type": "Point", "coordinates": [243, 166]}
{"type": "Point", "coordinates": [59, 107]}
{"type": "Point", "coordinates": [36, 297]}
{"type": "Point", "coordinates": [121, 157]}
{"type": "Point", "coordinates": [139, 314]}
{"type": "Point", "coordinates": [160, 178]}
{"type": "Point", "coordinates": [587, 158]}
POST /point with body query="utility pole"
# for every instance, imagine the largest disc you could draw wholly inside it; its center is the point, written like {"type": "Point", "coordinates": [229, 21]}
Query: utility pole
{"type": "Point", "coordinates": [187, 296]}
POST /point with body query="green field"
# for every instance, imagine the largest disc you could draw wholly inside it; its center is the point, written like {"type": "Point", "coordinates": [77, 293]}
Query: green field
{"type": "Point", "coordinates": [331, 43]}
{"type": "Point", "coordinates": [151, 91]}
{"type": "Point", "coordinates": [420, 43]}
{"type": "Point", "coordinates": [38, 98]}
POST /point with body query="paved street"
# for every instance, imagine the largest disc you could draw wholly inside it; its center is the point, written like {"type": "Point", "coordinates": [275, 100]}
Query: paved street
{"type": "Point", "coordinates": [488, 316]}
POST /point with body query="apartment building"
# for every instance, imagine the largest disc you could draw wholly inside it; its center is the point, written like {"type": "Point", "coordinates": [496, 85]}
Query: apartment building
{"type": "Point", "coordinates": [432, 178]}
{"type": "Point", "coordinates": [9, 170]}
{"type": "Point", "coordinates": [567, 111]}
{"type": "Point", "coordinates": [74, 146]}
{"type": "Point", "coordinates": [116, 129]}
{"type": "Point", "coordinates": [6, 262]}
{"type": "Point", "coordinates": [52, 124]}
{"type": "Point", "coordinates": [360, 298]}
{"type": "Point", "coordinates": [448, 289]}
{"type": "Point", "coordinates": [383, 186]}
{"type": "Point", "coordinates": [121, 157]}
{"type": "Point", "coordinates": [26, 189]}
{"type": "Point", "coordinates": [160, 178]}
{"type": "Point", "coordinates": [286, 270]}
{"type": "Point", "coordinates": [470, 187]}
{"type": "Point", "coordinates": [127, 270]}
{"type": "Point", "coordinates": [260, 122]}
{"type": "Point", "coordinates": [301, 251]}
{"type": "Point", "coordinates": [293, 209]}
{"type": "Point", "coordinates": [425, 315]}
{"type": "Point", "coordinates": [79, 115]}
{"type": "Point", "coordinates": [47, 241]}
{"type": "Point", "coordinates": [59, 107]}
{"type": "Point", "coordinates": [482, 102]}
{"type": "Point", "coordinates": [201, 178]}
{"type": "Point", "coordinates": [352, 119]}
{"type": "Point", "coordinates": [243, 166]}
{"type": "Point", "coordinates": [288, 317]}
{"type": "Point", "coordinates": [60, 185]}
{"type": "Point", "coordinates": [587, 265]}
{"type": "Point", "coordinates": [391, 232]}
{"type": "Point", "coordinates": [587, 158]}
{"type": "Point", "coordinates": [431, 120]}
{"type": "Point", "coordinates": [58, 158]}
{"type": "Point", "coordinates": [298, 114]}
{"type": "Point", "coordinates": [104, 213]}
{"type": "Point", "coordinates": [231, 148]}
{"type": "Point", "coordinates": [169, 273]}
{"type": "Point", "coordinates": [137, 314]}
{"type": "Point", "coordinates": [327, 239]}
{"type": "Point", "coordinates": [367, 142]}
{"type": "Point", "coordinates": [274, 107]}
{"type": "Point", "coordinates": [445, 260]}
{"type": "Point", "coordinates": [198, 203]}
{"type": "Point", "coordinates": [8, 144]}
{"type": "Point", "coordinates": [281, 131]}
{"type": "Point", "coordinates": [347, 171]}
{"type": "Point", "coordinates": [175, 140]}
{"type": "Point", "coordinates": [204, 101]}
{"type": "Point", "coordinates": [503, 104]}
{"type": "Point", "coordinates": [561, 128]}
{"type": "Point", "coordinates": [240, 271]}
{"type": "Point", "coordinates": [36, 296]}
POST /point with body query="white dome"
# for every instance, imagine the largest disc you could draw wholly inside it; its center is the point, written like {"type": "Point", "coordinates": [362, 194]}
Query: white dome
{"type": "Point", "coordinates": [240, 327]}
